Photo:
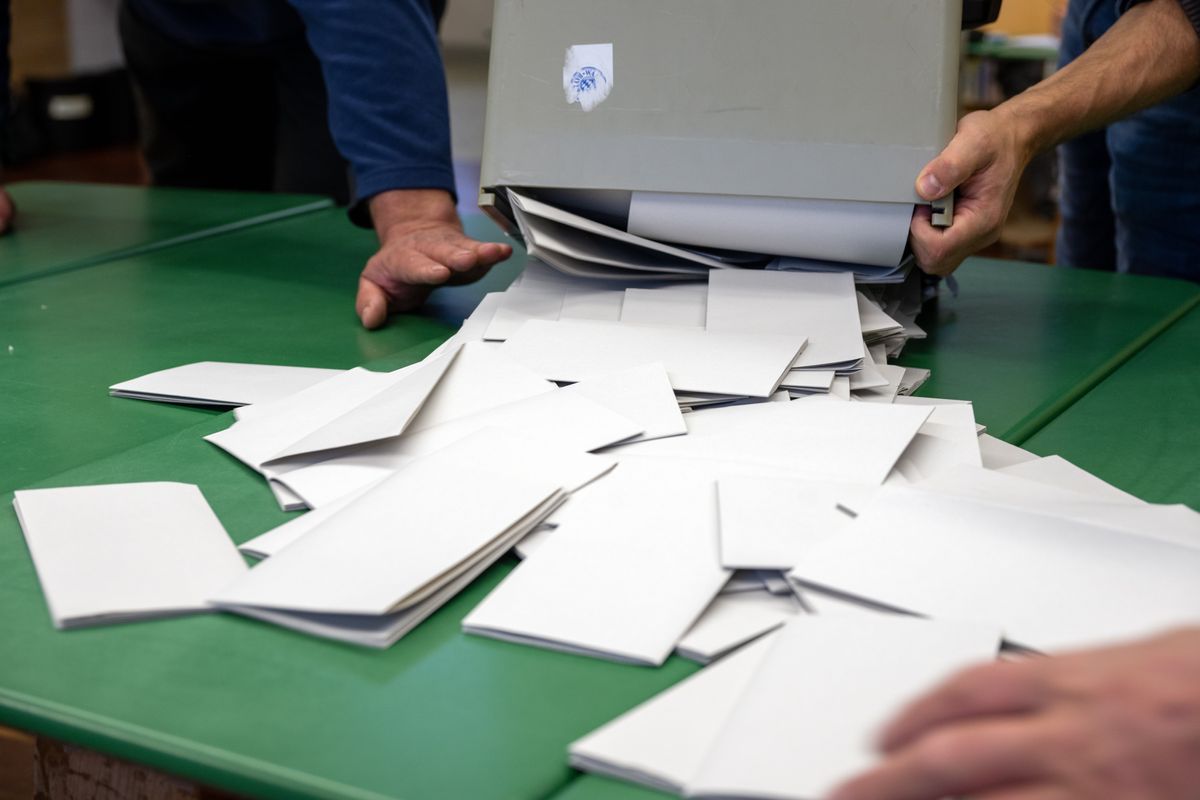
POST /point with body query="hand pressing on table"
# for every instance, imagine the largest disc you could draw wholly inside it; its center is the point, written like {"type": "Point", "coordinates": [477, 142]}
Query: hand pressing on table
{"type": "Point", "coordinates": [421, 246]}
{"type": "Point", "coordinates": [1118, 723]}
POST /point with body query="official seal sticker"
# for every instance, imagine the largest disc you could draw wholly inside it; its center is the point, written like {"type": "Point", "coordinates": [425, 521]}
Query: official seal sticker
{"type": "Point", "coordinates": [588, 74]}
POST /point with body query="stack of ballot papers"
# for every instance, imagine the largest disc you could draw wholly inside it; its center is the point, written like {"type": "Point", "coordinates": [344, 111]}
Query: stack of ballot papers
{"type": "Point", "coordinates": [788, 717]}
{"type": "Point", "coordinates": [375, 567]}
{"type": "Point", "coordinates": [662, 236]}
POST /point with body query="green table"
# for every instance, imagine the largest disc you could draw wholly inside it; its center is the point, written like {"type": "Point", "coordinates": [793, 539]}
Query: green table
{"type": "Point", "coordinates": [1140, 428]}
{"type": "Point", "coordinates": [1024, 341]}
{"type": "Point", "coordinates": [64, 226]}
{"type": "Point", "coordinates": [252, 708]}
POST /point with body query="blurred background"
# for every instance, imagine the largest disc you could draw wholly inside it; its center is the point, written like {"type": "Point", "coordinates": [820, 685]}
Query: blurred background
{"type": "Point", "coordinates": [74, 115]}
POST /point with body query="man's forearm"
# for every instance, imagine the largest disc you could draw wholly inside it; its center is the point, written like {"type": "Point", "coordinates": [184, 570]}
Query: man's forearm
{"type": "Point", "coordinates": [1149, 55]}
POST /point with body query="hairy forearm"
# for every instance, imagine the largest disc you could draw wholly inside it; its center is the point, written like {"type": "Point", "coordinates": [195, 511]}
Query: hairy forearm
{"type": "Point", "coordinates": [1149, 55]}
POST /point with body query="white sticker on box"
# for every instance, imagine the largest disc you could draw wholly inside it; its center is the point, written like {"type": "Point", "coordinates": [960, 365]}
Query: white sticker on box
{"type": "Point", "coordinates": [588, 74]}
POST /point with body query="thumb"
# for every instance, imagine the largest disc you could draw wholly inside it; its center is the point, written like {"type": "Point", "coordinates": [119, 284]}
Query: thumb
{"type": "Point", "coordinates": [371, 304]}
{"type": "Point", "coordinates": [961, 159]}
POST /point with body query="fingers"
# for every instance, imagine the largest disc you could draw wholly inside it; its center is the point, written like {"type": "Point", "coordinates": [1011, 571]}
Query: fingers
{"type": "Point", "coordinates": [371, 304]}
{"type": "Point", "coordinates": [8, 212]}
{"type": "Point", "coordinates": [967, 153]}
{"type": "Point", "coordinates": [959, 759]}
{"type": "Point", "coordinates": [940, 251]}
{"type": "Point", "coordinates": [996, 688]}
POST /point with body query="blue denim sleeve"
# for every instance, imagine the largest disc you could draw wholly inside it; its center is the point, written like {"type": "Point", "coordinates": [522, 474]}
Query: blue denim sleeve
{"type": "Point", "coordinates": [388, 110]}
{"type": "Point", "coordinates": [1190, 7]}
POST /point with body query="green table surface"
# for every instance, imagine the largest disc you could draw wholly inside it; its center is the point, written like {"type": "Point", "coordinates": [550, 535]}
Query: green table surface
{"type": "Point", "coordinates": [64, 226]}
{"type": "Point", "coordinates": [1024, 341]}
{"type": "Point", "coordinates": [1139, 429]}
{"type": "Point", "coordinates": [270, 712]}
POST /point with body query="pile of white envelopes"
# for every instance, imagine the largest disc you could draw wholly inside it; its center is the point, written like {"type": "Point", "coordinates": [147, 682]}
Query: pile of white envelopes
{"type": "Point", "coordinates": [728, 469]}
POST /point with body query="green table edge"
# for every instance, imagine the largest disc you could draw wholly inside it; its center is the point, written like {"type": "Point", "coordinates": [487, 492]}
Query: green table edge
{"type": "Point", "coordinates": [1034, 422]}
{"type": "Point", "coordinates": [318, 204]}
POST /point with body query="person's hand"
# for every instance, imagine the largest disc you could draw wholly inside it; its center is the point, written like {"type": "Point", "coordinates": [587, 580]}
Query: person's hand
{"type": "Point", "coordinates": [983, 161]}
{"type": "Point", "coordinates": [8, 211]}
{"type": "Point", "coordinates": [1119, 723]}
{"type": "Point", "coordinates": [421, 246]}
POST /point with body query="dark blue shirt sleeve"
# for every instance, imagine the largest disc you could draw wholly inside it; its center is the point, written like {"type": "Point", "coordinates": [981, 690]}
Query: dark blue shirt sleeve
{"type": "Point", "coordinates": [387, 93]}
{"type": "Point", "coordinates": [1190, 7]}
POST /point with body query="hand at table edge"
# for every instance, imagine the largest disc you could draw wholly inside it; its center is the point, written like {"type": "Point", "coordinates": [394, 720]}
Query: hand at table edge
{"type": "Point", "coordinates": [422, 246]}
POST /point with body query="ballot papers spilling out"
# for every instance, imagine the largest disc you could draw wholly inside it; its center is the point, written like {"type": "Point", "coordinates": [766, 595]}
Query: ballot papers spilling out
{"type": "Point", "coordinates": [663, 236]}
{"type": "Point", "coordinates": [371, 570]}
{"type": "Point", "coordinates": [731, 730]}
{"type": "Point", "coordinates": [121, 552]}
{"type": "Point", "coordinates": [218, 383]}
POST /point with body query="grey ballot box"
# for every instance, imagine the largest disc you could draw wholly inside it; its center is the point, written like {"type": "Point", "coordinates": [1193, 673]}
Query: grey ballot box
{"type": "Point", "coordinates": [815, 99]}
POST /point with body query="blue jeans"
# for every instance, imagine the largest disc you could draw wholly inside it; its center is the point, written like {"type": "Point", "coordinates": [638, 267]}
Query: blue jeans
{"type": "Point", "coordinates": [1130, 193]}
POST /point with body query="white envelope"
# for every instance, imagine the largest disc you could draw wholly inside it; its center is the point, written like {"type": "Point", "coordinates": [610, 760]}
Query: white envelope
{"type": "Point", "coordinates": [221, 383]}
{"type": "Point", "coordinates": [352, 408]}
{"type": "Point", "coordinates": [808, 717]}
{"type": "Point", "coordinates": [819, 439]}
{"type": "Point", "coordinates": [631, 566]}
{"type": "Point", "coordinates": [404, 539]}
{"type": "Point", "coordinates": [642, 394]}
{"type": "Point", "coordinates": [568, 419]}
{"type": "Point", "coordinates": [1057, 471]}
{"type": "Point", "coordinates": [821, 307]}
{"type": "Point", "coordinates": [1049, 583]}
{"type": "Point", "coordinates": [125, 551]}
{"type": "Point", "coordinates": [768, 522]}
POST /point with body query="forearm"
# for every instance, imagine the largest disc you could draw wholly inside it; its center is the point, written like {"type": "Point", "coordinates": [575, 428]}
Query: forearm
{"type": "Point", "coordinates": [1149, 55]}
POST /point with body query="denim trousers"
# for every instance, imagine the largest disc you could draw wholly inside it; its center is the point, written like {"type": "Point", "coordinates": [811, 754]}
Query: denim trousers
{"type": "Point", "coordinates": [1130, 193]}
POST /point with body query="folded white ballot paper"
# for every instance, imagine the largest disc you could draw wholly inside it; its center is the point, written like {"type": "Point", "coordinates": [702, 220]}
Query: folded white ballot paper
{"type": "Point", "coordinates": [731, 729]}
{"type": "Point", "coordinates": [631, 566]}
{"type": "Point", "coordinates": [642, 394]}
{"type": "Point", "coordinates": [822, 308]}
{"type": "Point", "coordinates": [567, 418]}
{"type": "Point", "coordinates": [125, 551]}
{"type": "Point", "coordinates": [402, 542]}
{"type": "Point", "coordinates": [352, 408]}
{"type": "Point", "coordinates": [539, 457]}
{"type": "Point", "coordinates": [832, 230]}
{"type": "Point", "coordinates": [731, 620]}
{"type": "Point", "coordinates": [750, 365]}
{"type": "Point", "coordinates": [221, 383]}
{"type": "Point", "coordinates": [1048, 582]}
